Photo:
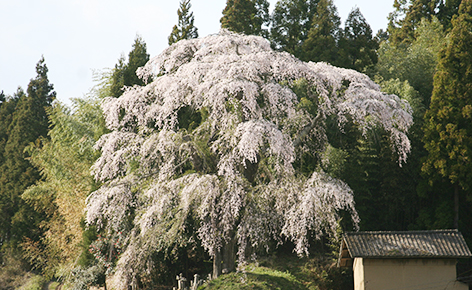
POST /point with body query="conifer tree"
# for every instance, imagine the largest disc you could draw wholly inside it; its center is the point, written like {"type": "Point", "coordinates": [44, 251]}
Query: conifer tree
{"type": "Point", "coordinates": [323, 36]}
{"type": "Point", "coordinates": [290, 23]}
{"type": "Point", "coordinates": [28, 122]}
{"type": "Point", "coordinates": [246, 16]}
{"type": "Point", "coordinates": [184, 28]}
{"type": "Point", "coordinates": [124, 74]}
{"type": "Point", "coordinates": [408, 14]}
{"type": "Point", "coordinates": [357, 43]}
{"type": "Point", "coordinates": [7, 107]}
{"type": "Point", "coordinates": [448, 121]}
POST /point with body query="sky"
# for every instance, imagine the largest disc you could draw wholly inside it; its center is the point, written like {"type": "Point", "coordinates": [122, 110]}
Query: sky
{"type": "Point", "coordinates": [79, 38]}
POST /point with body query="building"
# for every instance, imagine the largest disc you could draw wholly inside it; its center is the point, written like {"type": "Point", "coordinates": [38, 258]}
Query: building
{"type": "Point", "coordinates": [404, 260]}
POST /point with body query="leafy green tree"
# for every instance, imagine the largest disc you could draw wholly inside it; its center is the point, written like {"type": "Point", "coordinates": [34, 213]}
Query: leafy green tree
{"type": "Point", "coordinates": [384, 192]}
{"type": "Point", "coordinates": [124, 74]}
{"type": "Point", "coordinates": [323, 36]}
{"type": "Point", "coordinates": [448, 124]}
{"type": "Point", "coordinates": [64, 160]}
{"type": "Point", "coordinates": [246, 16]}
{"type": "Point", "coordinates": [28, 122]}
{"type": "Point", "coordinates": [415, 62]}
{"type": "Point", "coordinates": [7, 107]}
{"type": "Point", "coordinates": [447, 10]}
{"type": "Point", "coordinates": [290, 23]}
{"type": "Point", "coordinates": [409, 13]}
{"type": "Point", "coordinates": [184, 28]}
{"type": "Point", "coordinates": [357, 43]}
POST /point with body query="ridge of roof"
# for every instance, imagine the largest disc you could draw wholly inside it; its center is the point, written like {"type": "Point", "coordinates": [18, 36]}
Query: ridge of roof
{"type": "Point", "coordinates": [403, 232]}
{"type": "Point", "coordinates": [407, 244]}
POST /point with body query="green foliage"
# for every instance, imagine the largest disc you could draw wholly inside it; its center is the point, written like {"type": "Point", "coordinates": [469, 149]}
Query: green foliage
{"type": "Point", "coordinates": [448, 126]}
{"type": "Point", "coordinates": [412, 11]}
{"type": "Point", "coordinates": [286, 272]}
{"type": "Point", "coordinates": [26, 123]}
{"type": "Point", "coordinates": [323, 36]}
{"type": "Point", "coordinates": [83, 278]}
{"type": "Point", "coordinates": [185, 28]}
{"type": "Point", "coordinates": [64, 160]}
{"type": "Point", "coordinates": [415, 62]}
{"type": "Point", "coordinates": [333, 161]}
{"type": "Point", "coordinates": [246, 16]}
{"type": "Point", "coordinates": [357, 45]}
{"type": "Point", "coordinates": [408, 15]}
{"type": "Point", "coordinates": [404, 90]}
{"type": "Point", "coordinates": [13, 269]}
{"type": "Point", "coordinates": [35, 282]}
{"type": "Point", "coordinates": [124, 74]}
{"type": "Point", "coordinates": [188, 118]}
{"type": "Point", "coordinates": [290, 23]}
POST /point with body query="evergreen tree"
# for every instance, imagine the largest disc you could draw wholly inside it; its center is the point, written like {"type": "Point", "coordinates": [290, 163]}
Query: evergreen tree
{"type": "Point", "coordinates": [185, 28]}
{"type": "Point", "coordinates": [447, 10]}
{"type": "Point", "coordinates": [290, 23]}
{"type": "Point", "coordinates": [7, 107]}
{"type": "Point", "coordinates": [28, 122]}
{"type": "Point", "coordinates": [448, 124]}
{"type": "Point", "coordinates": [246, 16]}
{"type": "Point", "coordinates": [322, 41]}
{"type": "Point", "coordinates": [408, 14]}
{"type": "Point", "coordinates": [357, 43]}
{"type": "Point", "coordinates": [124, 73]}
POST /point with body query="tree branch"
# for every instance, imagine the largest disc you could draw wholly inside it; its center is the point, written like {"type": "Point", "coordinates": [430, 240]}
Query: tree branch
{"type": "Point", "coordinates": [307, 129]}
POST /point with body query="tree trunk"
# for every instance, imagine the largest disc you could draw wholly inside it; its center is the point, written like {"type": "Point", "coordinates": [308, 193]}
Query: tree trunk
{"type": "Point", "coordinates": [229, 256]}
{"type": "Point", "coordinates": [217, 265]}
{"type": "Point", "coordinates": [224, 260]}
{"type": "Point", "coordinates": [456, 206]}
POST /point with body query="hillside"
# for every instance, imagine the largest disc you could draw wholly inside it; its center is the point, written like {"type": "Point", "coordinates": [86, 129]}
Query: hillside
{"type": "Point", "coordinates": [286, 272]}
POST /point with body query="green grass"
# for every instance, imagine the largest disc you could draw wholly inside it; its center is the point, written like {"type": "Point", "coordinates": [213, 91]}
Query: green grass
{"type": "Point", "coordinates": [33, 282]}
{"type": "Point", "coordinates": [288, 272]}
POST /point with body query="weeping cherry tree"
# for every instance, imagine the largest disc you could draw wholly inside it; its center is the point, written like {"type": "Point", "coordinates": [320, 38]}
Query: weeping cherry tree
{"type": "Point", "coordinates": [207, 151]}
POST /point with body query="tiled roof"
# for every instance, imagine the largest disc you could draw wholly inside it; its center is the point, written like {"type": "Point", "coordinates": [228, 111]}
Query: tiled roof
{"type": "Point", "coordinates": [408, 244]}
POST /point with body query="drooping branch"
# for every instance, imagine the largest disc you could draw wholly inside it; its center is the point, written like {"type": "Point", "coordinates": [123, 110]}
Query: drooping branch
{"type": "Point", "coordinates": [248, 115]}
{"type": "Point", "coordinates": [307, 129]}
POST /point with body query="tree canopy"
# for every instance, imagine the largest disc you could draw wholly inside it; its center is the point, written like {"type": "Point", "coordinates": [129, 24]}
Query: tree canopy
{"type": "Point", "coordinates": [185, 28]}
{"type": "Point", "coordinates": [448, 127]}
{"type": "Point", "coordinates": [124, 74]}
{"type": "Point", "coordinates": [290, 23]}
{"type": "Point", "coordinates": [246, 16]}
{"type": "Point", "coordinates": [26, 118]}
{"type": "Point", "coordinates": [211, 151]}
{"type": "Point", "coordinates": [323, 36]}
{"type": "Point", "coordinates": [357, 44]}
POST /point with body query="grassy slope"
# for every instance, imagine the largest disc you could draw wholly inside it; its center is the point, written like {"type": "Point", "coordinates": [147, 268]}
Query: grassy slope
{"type": "Point", "coordinates": [287, 272]}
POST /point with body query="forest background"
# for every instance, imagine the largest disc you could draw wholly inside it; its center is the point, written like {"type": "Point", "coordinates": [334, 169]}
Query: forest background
{"type": "Point", "coordinates": [425, 57]}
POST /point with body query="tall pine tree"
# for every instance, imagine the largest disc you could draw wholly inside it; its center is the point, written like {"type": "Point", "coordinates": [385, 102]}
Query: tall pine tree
{"type": "Point", "coordinates": [28, 122]}
{"type": "Point", "coordinates": [408, 14]}
{"type": "Point", "coordinates": [322, 42]}
{"type": "Point", "coordinates": [184, 28]}
{"type": "Point", "coordinates": [290, 23]}
{"type": "Point", "coordinates": [357, 43]}
{"type": "Point", "coordinates": [124, 74]}
{"type": "Point", "coordinates": [448, 121]}
{"type": "Point", "coordinates": [246, 16]}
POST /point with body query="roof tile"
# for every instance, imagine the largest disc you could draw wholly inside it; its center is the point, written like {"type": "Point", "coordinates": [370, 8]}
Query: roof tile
{"type": "Point", "coordinates": [433, 244]}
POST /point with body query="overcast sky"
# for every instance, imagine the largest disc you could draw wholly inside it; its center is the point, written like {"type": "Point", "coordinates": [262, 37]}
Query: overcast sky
{"type": "Point", "coordinates": [78, 37]}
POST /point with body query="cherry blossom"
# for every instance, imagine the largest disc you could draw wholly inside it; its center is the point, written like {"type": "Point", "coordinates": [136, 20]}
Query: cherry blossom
{"type": "Point", "coordinates": [214, 136]}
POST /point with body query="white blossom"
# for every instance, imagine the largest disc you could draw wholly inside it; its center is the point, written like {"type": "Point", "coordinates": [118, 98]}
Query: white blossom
{"type": "Point", "coordinates": [228, 162]}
